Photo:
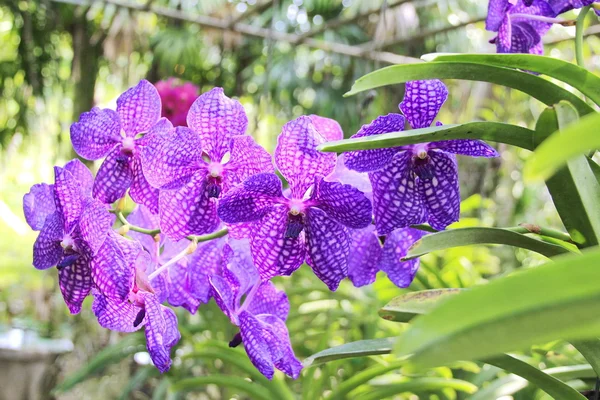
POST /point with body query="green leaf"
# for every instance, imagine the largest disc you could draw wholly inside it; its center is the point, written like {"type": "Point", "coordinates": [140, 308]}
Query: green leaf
{"type": "Point", "coordinates": [110, 355]}
{"type": "Point", "coordinates": [590, 350]}
{"type": "Point", "coordinates": [574, 140]}
{"type": "Point", "coordinates": [577, 77]}
{"type": "Point", "coordinates": [544, 381]}
{"type": "Point", "coordinates": [492, 131]}
{"type": "Point", "coordinates": [418, 385]}
{"type": "Point", "coordinates": [557, 300]}
{"type": "Point", "coordinates": [223, 381]}
{"type": "Point", "coordinates": [537, 87]}
{"type": "Point", "coordinates": [405, 307]}
{"type": "Point", "coordinates": [360, 348]}
{"type": "Point", "coordinates": [141, 376]}
{"type": "Point", "coordinates": [363, 377]}
{"type": "Point", "coordinates": [468, 236]}
{"type": "Point", "coordinates": [574, 188]}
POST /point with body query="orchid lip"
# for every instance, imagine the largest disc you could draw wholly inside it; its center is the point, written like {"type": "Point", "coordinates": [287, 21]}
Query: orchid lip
{"type": "Point", "coordinates": [67, 243]}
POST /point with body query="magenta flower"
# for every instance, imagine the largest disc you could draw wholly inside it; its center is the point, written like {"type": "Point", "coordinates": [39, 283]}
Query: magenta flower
{"type": "Point", "coordinates": [260, 316]}
{"type": "Point", "coordinates": [73, 228]}
{"type": "Point", "coordinates": [176, 98]}
{"type": "Point", "coordinates": [106, 133]}
{"type": "Point", "coordinates": [183, 283]}
{"type": "Point", "coordinates": [418, 183]}
{"type": "Point", "coordinates": [197, 164]}
{"type": "Point", "coordinates": [312, 223]}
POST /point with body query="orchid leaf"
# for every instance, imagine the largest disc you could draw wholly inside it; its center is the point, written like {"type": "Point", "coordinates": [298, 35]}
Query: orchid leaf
{"type": "Point", "coordinates": [537, 87]}
{"type": "Point", "coordinates": [492, 131]}
{"type": "Point", "coordinates": [360, 348]}
{"type": "Point", "coordinates": [417, 385]}
{"type": "Point", "coordinates": [579, 78]}
{"type": "Point", "coordinates": [223, 381]}
{"type": "Point", "coordinates": [405, 307]}
{"type": "Point", "coordinates": [468, 236]}
{"type": "Point", "coordinates": [510, 313]}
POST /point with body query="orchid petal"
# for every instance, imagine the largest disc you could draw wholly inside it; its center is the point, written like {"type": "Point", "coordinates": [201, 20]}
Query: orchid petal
{"type": "Point", "coordinates": [466, 147]}
{"type": "Point", "coordinates": [114, 177]}
{"type": "Point", "coordinates": [75, 282]}
{"type": "Point", "coordinates": [217, 118]}
{"type": "Point", "coordinates": [96, 133]}
{"type": "Point", "coordinates": [141, 191]}
{"type": "Point", "coordinates": [343, 203]}
{"type": "Point", "coordinates": [68, 198]}
{"type": "Point", "coordinates": [441, 194]}
{"type": "Point", "coordinates": [47, 251]}
{"type": "Point", "coordinates": [364, 258]}
{"type": "Point", "coordinates": [269, 300]}
{"type": "Point", "coordinates": [112, 268]}
{"type": "Point", "coordinates": [396, 246]}
{"type": "Point", "coordinates": [139, 108]}
{"type": "Point", "coordinates": [38, 203]}
{"type": "Point", "coordinates": [422, 101]}
{"type": "Point", "coordinates": [329, 128]}
{"type": "Point", "coordinates": [94, 224]}
{"type": "Point", "coordinates": [247, 159]}
{"type": "Point", "coordinates": [251, 200]}
{"type": "Point", "coordinates": [255, 343]}
{"type": "Point", "coordinates": [375, 159]}
{"type": "Point", "coordinates": [115, 315]}
{"type": "Point", "coordinates": [82, 175]}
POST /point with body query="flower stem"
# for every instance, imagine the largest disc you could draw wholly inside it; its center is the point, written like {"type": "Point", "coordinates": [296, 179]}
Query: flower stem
{"type": "Point", "coordinates": [188, 250]}
{"type": "Point", "coordinates": [541, 18]}
{"type": "Point", "coordinates": [579, 36]}
{"type": "Point", "coordinates": [249, 297]}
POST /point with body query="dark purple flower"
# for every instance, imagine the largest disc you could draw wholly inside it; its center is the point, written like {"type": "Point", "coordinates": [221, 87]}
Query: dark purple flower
{"type": "Point", "coordinates": [142, 309]}
{"type": "Point", "coordinates": [183, 283]}
{"type": "Point", "coordinates": [520, 26]}
{"type": "Point", "coordinates": [368, 256]}
{"type": "Point", "coordinates": [197, 164]}
{"type": "Point", "coordinates": [261, 316]}
{"type": "Point", "coordinates": [312, 223]}
{"type": "Point", "coordinates": [113, 134]}
{"type": "Point", "coordinates": [73, 227]}
{"type": "Point", "coordinates": [418, 183]}
{"type": "Point", "coordinates": [562, 6]}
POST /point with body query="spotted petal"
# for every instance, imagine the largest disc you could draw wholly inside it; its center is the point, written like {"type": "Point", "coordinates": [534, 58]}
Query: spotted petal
{"type": "Point", "coordinates": [112, 268]}
{"type": "Point", "coordinates": [247, 159]}
{"type": "Point", "coordinates": [224, 296]}
{"type": "Point", "coordinates": [117, 316]}
{"type": "Point", "coordinates": [96, 133]}
{"type": "Point", "coordinates": [497, 10]}
{"type": "Point", "coordinates": [329, 128]}
{"type": "Point", "coordinates": [141, 191]}
{"type": "Point", "coordinates": [142, 217]}
{"type": "Point", "coordinates": [269, 300]}
{"type": "Point", "coordinates": [363, 260]}
{"type": "Point", "coordinates": [251, 200]}
{"type": "Point", "coordinates": [273, 252]}
{"type": "Point", "coordinates": [343, 174]}
{"type": "Point", "coordinates": [255, 343]}
{"type": "Point", "coordinates": [217, 118]}
{"type": "Point", "coordinates": [328, 246]}
{"type": "Point", "coordinates": [297, 157]}
{"type": "Point", "coordinates": [180, 288]}
{"type": "Point", "coordinates": [114, 177]}
{"type": "Point", "coordinates": [343, 203]}
{"type": "Point", "coordinates": [203, 263]}
{"type": "Point", "coordinates": [422, 102]}
{"type": "Point", "coordinates": [375, 159]}
{"type": "Point", "coordinates": [396, 246]}
{"type": "Point", "coordinates": [189, 210]}
{"type": "Point", "coordinates": [441, 193]}
{"type": "Point", "coordinates": [68, 198]}
{"type": "Point", "coordinates": [397, 201]}
{"type": "Point", "coordinates": [38, 203]}
{"type": "Point", "coordinates": [161, 332]}
{"type": "Point", "coordinates": [466, 147]}
{"type": "Point", "coordinates": [94, 224]}
{"type": "Point", "coordinates": [82, 175]}
{"type": "Point", "coordinates": [139, 108]}
{"type": "Point", "coordinates": [47, 251]}
{"type": "Point", "coordinates": [280, 347]}
{"type": "Point", "coordinates": [75, 282]}
{"type": "Point", "coordinates": [169, 163]}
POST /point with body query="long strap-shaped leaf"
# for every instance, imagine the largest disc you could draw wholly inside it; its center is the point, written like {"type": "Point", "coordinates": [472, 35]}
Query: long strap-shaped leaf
{"type": "Point", "coordinates": [223, 381]}
{"type": "Point", "coordinates": [492, 131]}
{"type": "Point", "coordinates": [579, 78]}
{"type": "Point", "coordinates": [537, 87]}
{"type": "Point", "coordinates": [558, 300]}
{"type": "Point", "coordinates": [468, 236]}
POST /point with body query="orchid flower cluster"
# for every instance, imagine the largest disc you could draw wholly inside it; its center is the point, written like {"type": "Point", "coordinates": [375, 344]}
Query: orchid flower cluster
{"type": "Point", "coordinates": [213, 219]}
{"type": "Point", "coordinates": [520, 24]}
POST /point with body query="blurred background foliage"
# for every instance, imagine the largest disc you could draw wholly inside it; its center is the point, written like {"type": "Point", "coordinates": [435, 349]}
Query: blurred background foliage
{"type": "Point", "coordinates": [60, 58]}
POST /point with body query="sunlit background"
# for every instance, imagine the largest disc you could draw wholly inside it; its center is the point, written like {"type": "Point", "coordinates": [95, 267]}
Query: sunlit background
{"type": "Point", "coordinates": [281, 59]}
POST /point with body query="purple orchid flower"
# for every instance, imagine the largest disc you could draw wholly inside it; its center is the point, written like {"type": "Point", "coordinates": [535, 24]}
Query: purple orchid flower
{"type": "Point", "coordinates": [418, 183]}
{"type": "Point", "coordinates": [260, 317]}
{"type": "Point", "coordinates": [520, 26]}
{"type": "Point", "coordinates": [369, 257]}
{"type": "Point", "coordinates": [73, 227]}
{"type": "Point", "coordinates": [198, 164]}
{"type": "Point", "coordinates": [183, 282]}
{"type": "Point", "coordinates": [113, 134]}
{"type": "Point", "coordinates": [312, 223]}
{"type": "Point", "coordinates": [562, 6]}
{"type": "Point", "coordinates": [140, 306]}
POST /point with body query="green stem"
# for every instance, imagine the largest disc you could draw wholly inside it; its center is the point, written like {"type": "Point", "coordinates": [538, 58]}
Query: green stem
{"type": "Point", "coordinates": [153, 232]}
{"type": "Point", "coordinates": [579, 36]}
